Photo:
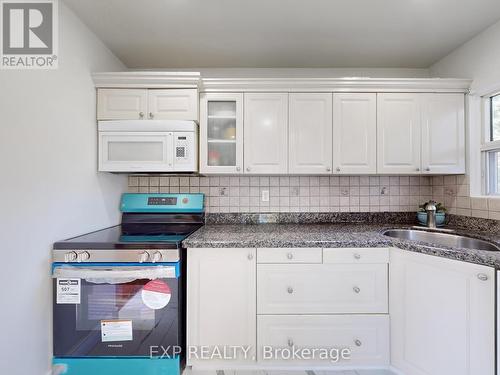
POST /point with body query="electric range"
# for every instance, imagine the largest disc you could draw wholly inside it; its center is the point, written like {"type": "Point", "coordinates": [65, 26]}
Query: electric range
{"type": "Point", "coordinates": [119, 293]}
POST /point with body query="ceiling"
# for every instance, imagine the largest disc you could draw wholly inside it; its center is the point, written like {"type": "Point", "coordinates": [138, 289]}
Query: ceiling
{"type": "Point", "coordinates": [155, 34]}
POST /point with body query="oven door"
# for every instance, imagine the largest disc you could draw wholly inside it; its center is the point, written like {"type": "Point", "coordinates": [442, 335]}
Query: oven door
{"type": "Point", "coordinates": [136, 151]}
{"type": "Point", "coordinates": [112, 311]}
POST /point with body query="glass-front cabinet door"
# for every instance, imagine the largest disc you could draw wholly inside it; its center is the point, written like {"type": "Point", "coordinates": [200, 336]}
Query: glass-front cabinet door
{"type": "Point", "coordinates": [221, 130]}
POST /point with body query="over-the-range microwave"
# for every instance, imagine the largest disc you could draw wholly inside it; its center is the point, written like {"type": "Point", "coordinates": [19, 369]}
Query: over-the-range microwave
{"type": "Point", "coordinates": [148, 146]}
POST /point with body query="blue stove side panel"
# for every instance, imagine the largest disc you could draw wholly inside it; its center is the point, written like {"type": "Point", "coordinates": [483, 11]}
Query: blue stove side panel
{"type": "Point", "coordinates": [115, 366]}
{"type": "Point", "coordinates": [151, 203]}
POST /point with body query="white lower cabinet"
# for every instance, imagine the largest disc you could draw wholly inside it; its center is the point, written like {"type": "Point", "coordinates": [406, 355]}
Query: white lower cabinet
{"type": "Point", "coordinates": [364, 337]}
{"type": "Point", "coordinates": [321, 288]}
{"type": "Point", "coordinates": [442, 316]}
{"type": "Point", "coordinates": [221, 304]}
{"type": "Point", "coordinates": [392, 309]}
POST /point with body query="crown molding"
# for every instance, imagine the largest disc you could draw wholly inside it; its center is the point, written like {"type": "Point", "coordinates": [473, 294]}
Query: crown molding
{"type": "Point", "coordinates": [335, 85]}
{"type": "Point", "coordinates": [159, 79]}
{"type": "Point", "coordinates": [147, 79]}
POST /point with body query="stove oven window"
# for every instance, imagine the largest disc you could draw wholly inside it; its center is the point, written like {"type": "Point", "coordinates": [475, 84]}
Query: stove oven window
{"type": "Point", "coordinates": [113, 301]}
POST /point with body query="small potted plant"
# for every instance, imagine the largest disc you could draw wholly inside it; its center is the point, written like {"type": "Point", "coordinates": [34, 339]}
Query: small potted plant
{"type": "Point", "coordinates": [440, 214]}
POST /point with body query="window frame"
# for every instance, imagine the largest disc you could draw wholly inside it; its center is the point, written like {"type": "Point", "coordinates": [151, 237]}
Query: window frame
{"type": "Point", "coordinates": [489, 146]}
{"type": "Point", "coordinates": [490, 109]}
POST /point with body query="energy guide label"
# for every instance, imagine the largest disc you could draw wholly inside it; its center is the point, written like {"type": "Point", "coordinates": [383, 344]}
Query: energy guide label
{"type": "Point", "coordinates": [68, 291]}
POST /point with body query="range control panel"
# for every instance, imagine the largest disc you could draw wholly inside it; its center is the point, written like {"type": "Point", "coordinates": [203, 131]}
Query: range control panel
{"type": "Point", "coordinates": [162, 203]}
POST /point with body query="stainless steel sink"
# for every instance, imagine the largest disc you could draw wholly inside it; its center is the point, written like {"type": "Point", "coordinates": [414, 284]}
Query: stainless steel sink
{"type": "Point", "coordinates": [446, 239]}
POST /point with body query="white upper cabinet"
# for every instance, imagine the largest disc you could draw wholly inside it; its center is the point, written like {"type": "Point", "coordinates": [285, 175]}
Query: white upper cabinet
{"type": "Point", "coordinates": [354, 133]}
{"type": "Point", "coordinates": [266, 133]}
{"type": "Point", "coordinates": [443, 133]}
{"type": "Point", "coordinates": [442, 315]}
{"type": "Point", "coordinates": [310, 138]}
{"type": "Point", "coordinates": [221, 131]}
{"type": "Point", "coordinates": [173, 104]}
{"type": "Point", "coordinates": [133, 104]}
{"type": "Point", "coordinates": [117, 104]}
{"type": "Point", "coordinates": [421, 133]}
{"type": "Point", "coordinates": [398, 133]}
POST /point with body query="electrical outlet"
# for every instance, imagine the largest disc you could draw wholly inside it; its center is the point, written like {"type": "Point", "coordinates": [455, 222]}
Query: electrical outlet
{"type": "Point", "coordinates": [265, 196]}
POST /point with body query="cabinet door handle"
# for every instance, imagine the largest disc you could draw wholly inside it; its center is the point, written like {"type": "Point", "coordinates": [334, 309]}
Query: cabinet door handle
{"type": "Point", "coordinates": [151, 115]}
{"type": "Point", "coordinates": [238, 169]}
{"type": "Point", "coordinates": [338, 169]}
{"type": "Point", "coordinates": [417, 169]}
{"type": "Point", "coordinates": [328, 169]}
{"type": "Point", "coordinates": [482, 276]}
{"type": "Point", "coordinates": [357, 256]}
{"type": "Point", "coordinates": [289, 290]}
{"type": "Point", "coordinates": [289, 256]}
{"type": "Point", "coordinates": [427, 169]}
{"type": "Point", "coordinates": [356, 289]}
{"type": "Point", "coordinates": [248, 169]}
{"type": "Point", "coordinates": [141, 114]}
{"type": "Point", "coordinates": [358, 342]}
{"type": "Point", "coordinates": [250, 256]}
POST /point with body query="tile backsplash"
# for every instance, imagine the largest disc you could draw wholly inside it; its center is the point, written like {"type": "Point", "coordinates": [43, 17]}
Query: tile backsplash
{"type": "Point", "coordinates": [295, 193]}
{"type": "Point", "coordinates": [454, 192]}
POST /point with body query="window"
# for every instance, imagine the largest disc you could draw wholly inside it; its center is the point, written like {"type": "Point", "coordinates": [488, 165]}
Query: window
{"type": "Point", "coordinates": [491, 145]}
{"type": "Point", "coordinates": [495, 118]}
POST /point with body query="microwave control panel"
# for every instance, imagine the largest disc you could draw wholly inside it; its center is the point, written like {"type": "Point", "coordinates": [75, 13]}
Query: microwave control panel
{"type": "Point", "coordinates": [185, 146]}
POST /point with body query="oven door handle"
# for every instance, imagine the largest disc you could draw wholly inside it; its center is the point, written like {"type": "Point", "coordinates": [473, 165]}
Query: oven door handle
{"type": "Point", "coordinates": [115, 275]}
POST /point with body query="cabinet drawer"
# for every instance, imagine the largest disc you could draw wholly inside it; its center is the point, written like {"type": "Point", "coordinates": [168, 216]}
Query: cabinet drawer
{"type": "Point", "coordinates": [321, 288]}
{"type": "Point", "coordinates": [290, 255]}
{"type": "Point", "coordinates": [356, 255]}
{"type": "Point", "coordinates": [366, 336]}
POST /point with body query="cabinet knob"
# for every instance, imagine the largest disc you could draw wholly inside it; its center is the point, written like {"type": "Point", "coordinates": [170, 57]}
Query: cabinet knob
{"type": "Point", "coordinates": [357, 256]}
{"type": "Point", "coordinates": [427, 169]}
{"type": "Point", "coordinates": [417, 169]}
{"type": "Point", "coordinates": [238, 169]}
{"type": "Point", "coordinates": [482, 276]}
{"type": "Point", "coordinates": [250, 256]}
{"type": "Point", "coordinates": [328, 169]}
{"type": "Point", "coordinates": [141, 114]}
{"type": "Point", "coordinates": [358, 342]}
{"type": "Point", "coordinates": [151, 115]}
{"type": "Point", "coordinates": [338, 169]}
{"type": "Point", "coordinates": [290, 342]}
{"type": "Point", "coordinates": [356, 289]}
{"type": "Point", "coordinates": [289, 290]}
{"type": "Point", "coordinates": [289, 256]}
{"type": "Point", "coordinates": [248, 169]}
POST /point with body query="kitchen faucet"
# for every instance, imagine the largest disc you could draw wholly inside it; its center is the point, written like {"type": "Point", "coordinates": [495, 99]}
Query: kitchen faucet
{"type": "Point", "coordinates": [430, 209]}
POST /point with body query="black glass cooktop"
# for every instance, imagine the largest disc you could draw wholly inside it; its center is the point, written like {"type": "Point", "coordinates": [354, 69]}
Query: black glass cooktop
{"type": "Point", "coordinates": [118, 238]}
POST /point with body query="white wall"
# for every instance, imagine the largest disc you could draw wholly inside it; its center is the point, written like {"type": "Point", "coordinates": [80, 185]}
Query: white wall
{"type": "Point", "coordinates": [478, 59]}
{"type": "Point", "coordinates": [49, 186]}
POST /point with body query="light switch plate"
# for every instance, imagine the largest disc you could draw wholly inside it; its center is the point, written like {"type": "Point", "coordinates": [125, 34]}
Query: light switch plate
{"type": "Point", "coordinates": [265, 195]}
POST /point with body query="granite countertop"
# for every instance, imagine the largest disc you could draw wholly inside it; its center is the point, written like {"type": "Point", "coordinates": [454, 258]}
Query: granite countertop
{"type": "Point", "coordinates": [333, 236]}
